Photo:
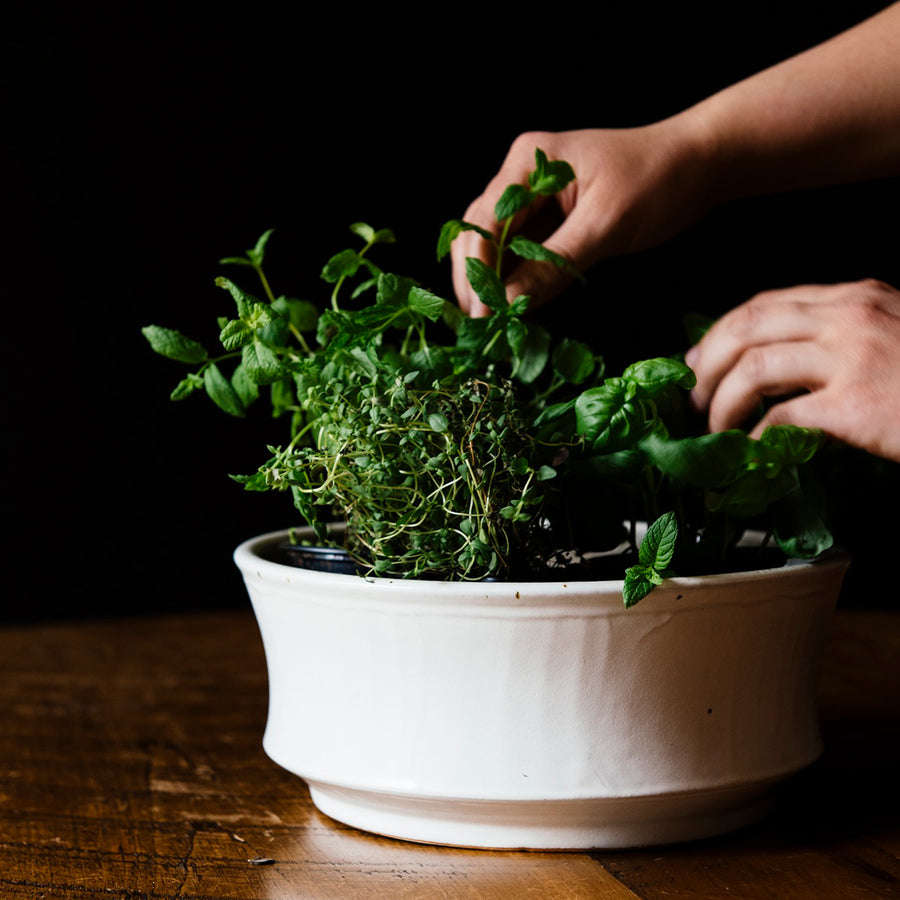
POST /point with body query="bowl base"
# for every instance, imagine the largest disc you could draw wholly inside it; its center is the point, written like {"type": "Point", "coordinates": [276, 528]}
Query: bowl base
{"type": "Point", "coordinates": [584, 824]}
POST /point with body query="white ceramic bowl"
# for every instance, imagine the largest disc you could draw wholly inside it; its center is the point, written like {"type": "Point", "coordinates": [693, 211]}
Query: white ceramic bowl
{"type": "Point", "coordinates": [541, 715]}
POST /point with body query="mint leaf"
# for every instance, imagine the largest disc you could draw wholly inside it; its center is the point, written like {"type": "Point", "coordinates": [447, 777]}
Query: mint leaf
{"type": "Point", "coordinates": [258, 252]}
{"type": "Point", "coordinates": [234, 261]}
{"type": "Point", "coordinates": [531, 349]}
{"type": "Point", "coordinates": [341, 265]}
{"type": "Point", "coordinates": [186, 387]}
{"type": "Point", "coordinates": [174, 345]}
{"type": "Point", "coordinates": [549, 177]}
{"type": "Point", "coordinates": [242, 299]}
{"type": "Point", "coordinates": [528, 249]}
{"type": "Point", "coordinates": [486, 284]}
{"type": "Point", "coordinates": [244, 386]}
{"type": "Point", "coordinates": [637, 585]}
{"type": "Point", "coordinates": [515, 198]}
{"type": "Point", "coordinates": [451, 230]}
{"type": "Point", "coordinates": [261, 363]}
{"type": "Point", "coordinates": [370, 235]}
{"type": "Point", "coordinates": [658, 545]}
{"type": "Point", "coordinates": [220, 391]}
{"type": "Point", "coordinates": [302, 314]}
{"type": "Point", "coordinates": [235, 334]}
{"type": "Point", "coordinates": [427, 304]}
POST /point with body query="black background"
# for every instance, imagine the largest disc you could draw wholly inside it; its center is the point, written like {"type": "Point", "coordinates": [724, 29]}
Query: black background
{"type": "Point", "coordinates": [146, 143]}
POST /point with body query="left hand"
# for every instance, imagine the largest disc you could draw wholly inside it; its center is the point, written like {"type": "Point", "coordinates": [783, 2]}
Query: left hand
{"type": "Point", "coordinates": [832, 352]}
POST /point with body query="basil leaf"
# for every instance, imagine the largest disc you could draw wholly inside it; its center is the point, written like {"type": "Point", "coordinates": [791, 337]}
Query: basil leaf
{"type": "Point", "coordinates": [708, 461]}
{"type": "Point", "coordinates": [654, 375]}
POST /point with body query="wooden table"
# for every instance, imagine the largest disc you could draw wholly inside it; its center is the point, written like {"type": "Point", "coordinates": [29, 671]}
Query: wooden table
{"type": "Point", "coordinates": [132, 768]}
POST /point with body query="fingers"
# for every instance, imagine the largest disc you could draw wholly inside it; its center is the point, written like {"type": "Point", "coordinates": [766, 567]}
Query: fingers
{"type": "Point", "coordinates": [829, 354]}
{"type": "Point", "coordinates": [773, 370]}
{"type": "Point", "coordinates": [469, 243]}
{"type": "Point", "coordinates": [518, 163]}
{"type": "Point", "coordinates": [790, 315]}
{"type": "Point", "coordinates": [576, 239]}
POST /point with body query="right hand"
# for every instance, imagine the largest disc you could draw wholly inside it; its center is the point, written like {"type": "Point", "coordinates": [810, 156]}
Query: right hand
{"type": "Point", "coordinates": [633, 189]}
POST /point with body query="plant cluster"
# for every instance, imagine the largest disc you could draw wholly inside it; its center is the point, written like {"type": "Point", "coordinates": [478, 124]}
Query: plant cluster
{"type": "Point", "coordinates": [469, 448]}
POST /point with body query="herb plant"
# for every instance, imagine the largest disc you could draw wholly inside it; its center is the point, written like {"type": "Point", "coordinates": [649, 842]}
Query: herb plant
{"type": "Point", "coordinates": [471, 448]}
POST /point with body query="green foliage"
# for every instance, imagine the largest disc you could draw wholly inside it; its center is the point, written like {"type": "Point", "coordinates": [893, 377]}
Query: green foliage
{"type": "Point", "coordinates": [467, 448]}
{"type": "Point", "coordinates": [655, 554]}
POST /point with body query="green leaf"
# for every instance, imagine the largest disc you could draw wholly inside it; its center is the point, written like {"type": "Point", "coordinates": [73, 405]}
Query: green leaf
{"type": "Point", "coordinates": [638, 583]}
{"type": "Point", "coordinates": [608, 416]}
{"type": "Point", "coordinates": [235, 261]}
{"type": "Point", "coordinates": [573, 360]}
{"type": "Point", "coordinates": [244, 386]}
{"type": "Point", "coordinates": [549, 177]}
{"type": "Point", "coordinates": [257, 254]}
{"type": "Point", "coordinates": [174, 345]}
{"type": "Point", "coordinates": [364, 231]}
{"type": "Point", "coordinates": [451, 230]}
{"type": "Point", "coordinates": [427, 304]}
{"type": "Point", "coordinates": [438, 422]}
{"type": "Point", "coordinates": [221, 392]}
{"type": "Point", "coordinates": [799, 520]}
{"type": "Point", "coordinates": [235, 334]}
{"type": "Point", "coordinates": [790, 444]}
{"type": "Point", "coordinates": [531, 349]}
{"type": "Point", "coordinates": [282, 396]}
{"type": "Point", "coordinates": [515, 198]}
{"type": "Point", "coordinates": [261, 363]}
{"type": "Point", "coordinates": [654, 375]}
{"type": "Point", "coordinates": [370, 235]}
{"type": "Point", "coordinates": [341, 265]}
{"type": "Point", "coordinates": [658, 545]}
{"type": "Point", "coordinates": [528, 249]}
{"type": "Point", "coordinates": [708, 461]}
{"type": "Point", "coordinates": [186, 387]}
{"type": "Point", "coordinates": [384, 236]}
{"type": "Point", "coordinates": [486, 284]}
{"type": "Point", "coordinates": [753, 492]}
{"type": "Point", "coordinates": [302, 314]}
{"type": "Point", "coordinates": [696, 325]}
{"type": "Point", "coordinates": [242, 299]}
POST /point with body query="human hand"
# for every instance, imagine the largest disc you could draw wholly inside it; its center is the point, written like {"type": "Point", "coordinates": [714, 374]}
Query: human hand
{"type": "Point", "coordinates": [633, 188]}
{"type": "Point", "coordinates": [833, 353]}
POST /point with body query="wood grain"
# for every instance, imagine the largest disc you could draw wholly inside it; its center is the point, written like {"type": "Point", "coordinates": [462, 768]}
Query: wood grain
{"type": "Point", "coordinates": [132, 768]}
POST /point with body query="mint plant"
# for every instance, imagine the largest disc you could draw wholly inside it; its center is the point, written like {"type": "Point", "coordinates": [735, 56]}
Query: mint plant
{"type": "Point", "coordinates": [471, 448]}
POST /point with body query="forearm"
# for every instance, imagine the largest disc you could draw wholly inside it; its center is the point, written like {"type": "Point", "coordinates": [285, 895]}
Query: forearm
{"type": "Point", "coordinates": [829, 115]}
